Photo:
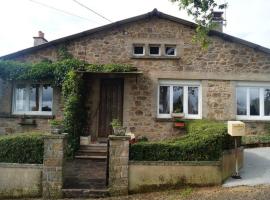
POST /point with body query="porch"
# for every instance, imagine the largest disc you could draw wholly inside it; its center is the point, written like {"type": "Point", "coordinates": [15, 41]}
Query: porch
{"type": "Point", "coordinates": [106, 98]}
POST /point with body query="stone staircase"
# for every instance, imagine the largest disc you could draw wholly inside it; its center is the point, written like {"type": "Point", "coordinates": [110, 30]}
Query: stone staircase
{"type": "Point", "coordinates": [96, 151]}
{"type": "Point", "coordinates": [85, 176]}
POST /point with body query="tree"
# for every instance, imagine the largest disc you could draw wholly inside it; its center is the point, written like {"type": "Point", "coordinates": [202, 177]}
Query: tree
{"type": "Point", "coordinates": [202, 12]}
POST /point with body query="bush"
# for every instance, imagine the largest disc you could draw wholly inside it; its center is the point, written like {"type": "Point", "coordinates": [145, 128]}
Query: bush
{"type": "Point", "coordinates": [256, 139]}
{"type": "Point", "coordinates": [22, 148]}
{"type": "Point", "coordinates": [205, 141]}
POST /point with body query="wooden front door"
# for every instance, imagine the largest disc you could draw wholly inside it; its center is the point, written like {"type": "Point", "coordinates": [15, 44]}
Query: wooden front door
{"type": "Point", "coordinates": [111, 105]}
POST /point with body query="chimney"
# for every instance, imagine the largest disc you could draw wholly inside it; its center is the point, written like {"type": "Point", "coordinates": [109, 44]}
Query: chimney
{"type": "Point", "coordinates": [39, 39]}
{"type": "Point", "coordinates": [218, 20]}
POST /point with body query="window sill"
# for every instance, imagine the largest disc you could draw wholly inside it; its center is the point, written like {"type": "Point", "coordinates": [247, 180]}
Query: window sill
{"type": "Point", "coordinates": [27, 116]}
{"type": "Point", "coordinates": [158, 119]}
{"type": "Point", "coordinates": [254, 120]}
{"type": "Point", "coordinates": [156, 57]}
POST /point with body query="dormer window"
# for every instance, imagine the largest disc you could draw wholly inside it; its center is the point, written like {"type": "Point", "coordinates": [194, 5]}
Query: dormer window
{"type": "Point", "coordinates": [154, 50]}
{"type": "Point", "coordinates": [170, 50]}
{"type": "Point", "coordinates": [138, 50]}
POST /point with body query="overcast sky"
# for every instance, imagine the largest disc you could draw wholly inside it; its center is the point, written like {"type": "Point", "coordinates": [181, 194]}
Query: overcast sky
{"type": "Point", "coordinates": [20, 20]}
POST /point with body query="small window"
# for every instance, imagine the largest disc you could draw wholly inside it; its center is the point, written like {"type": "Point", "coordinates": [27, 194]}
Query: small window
{"type": "Point", "coordinates": [33, 99]}
{"type": "Point", "coordinates": [138, 50]}
{"type": "Point", "coordinates": [170, 50]}
{"type": "Point", "coordinates": [154, 50]}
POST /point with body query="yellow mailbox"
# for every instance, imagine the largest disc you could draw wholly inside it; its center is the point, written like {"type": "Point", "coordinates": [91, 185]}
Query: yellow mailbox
{"type": "Point", "coordinates": [236, 128]}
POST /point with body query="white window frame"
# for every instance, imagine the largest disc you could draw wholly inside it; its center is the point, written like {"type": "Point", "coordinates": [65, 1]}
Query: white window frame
{"type": "Point", "coordinates": [248, 85]}
{"type": "Point", "coordinates": [185, 85]}
{"type": "Point", "coordinates": [154, 45]}
{"type": "Point", "coordinates": [138, 45]}
{"type": "Point", "coordinates": [39, 112]}
{"type": "Point", "coordinates": [172, 46]}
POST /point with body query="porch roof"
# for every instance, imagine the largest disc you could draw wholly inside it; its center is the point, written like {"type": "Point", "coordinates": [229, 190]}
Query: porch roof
{"type": "Point", "coordinates": [112, 74]}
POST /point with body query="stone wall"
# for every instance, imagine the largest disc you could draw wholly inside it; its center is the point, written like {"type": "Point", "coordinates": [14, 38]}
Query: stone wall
{"type": "Point", "coordinates": [218, 68]}
{"type": "Point", "coordinates": [118, 165]}
{"type": "Point", "coordinates": [53, 162]}
{"type": "Point", "coordinates": [20, 180]}
{"type": "Point", "coordinates": [155, 175]}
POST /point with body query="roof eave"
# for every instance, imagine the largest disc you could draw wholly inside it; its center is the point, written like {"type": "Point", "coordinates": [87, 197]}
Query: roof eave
{"type": "Point", "coordinates": [155, 12]}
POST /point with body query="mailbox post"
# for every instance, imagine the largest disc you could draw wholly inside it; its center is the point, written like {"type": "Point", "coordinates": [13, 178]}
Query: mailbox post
{"type": "Point", "coordinates": [236, 129]}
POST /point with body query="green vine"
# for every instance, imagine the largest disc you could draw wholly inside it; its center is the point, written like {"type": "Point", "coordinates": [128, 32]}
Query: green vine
{"type": "Point", "coordinates": [62, 73]}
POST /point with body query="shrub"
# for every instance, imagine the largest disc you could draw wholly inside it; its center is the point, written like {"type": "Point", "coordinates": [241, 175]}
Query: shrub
{"type": "Point", "coordinates": [205, 141]}
{"type": "Point", "coordinates": [22, 148]}
{"type": "Point", "coordinates": [256, 139]}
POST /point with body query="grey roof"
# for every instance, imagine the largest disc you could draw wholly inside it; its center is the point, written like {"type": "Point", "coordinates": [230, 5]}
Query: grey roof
{"type": "Point", "coordinates": [154, 13]}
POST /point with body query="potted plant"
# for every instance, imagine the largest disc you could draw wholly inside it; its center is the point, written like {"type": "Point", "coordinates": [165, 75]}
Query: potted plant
{"type": "Point", "coordinates": [56, 126]}
{"type": "Point", "coordinates": [178, 123]}
{"type": "Point", "coordinates": [177, 113]}
{"type": "Point", "coordinates": [118, 129]}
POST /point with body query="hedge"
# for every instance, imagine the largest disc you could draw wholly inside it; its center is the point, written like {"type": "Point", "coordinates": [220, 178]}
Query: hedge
{"type": "Point", "coordinates": [22, 148]}
{"type": "Point", "coordinates": [205, 141]}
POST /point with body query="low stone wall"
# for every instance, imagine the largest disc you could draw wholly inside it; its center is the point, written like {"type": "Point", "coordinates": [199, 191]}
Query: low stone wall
{"type": "Point", "coordinates": [228, 162]}
{"type": "Point", "coordinates": [20, 180]}
{"type": "Point", "coordinates": [151, 175]}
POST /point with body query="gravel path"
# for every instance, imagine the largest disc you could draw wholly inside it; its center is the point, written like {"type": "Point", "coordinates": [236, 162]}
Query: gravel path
{"type": "Point", "coordinates": [212, 193]}
{"type": "Point", "coordinates": [208, 193]}
{"type": "Point", "coordinates": [256, 170]}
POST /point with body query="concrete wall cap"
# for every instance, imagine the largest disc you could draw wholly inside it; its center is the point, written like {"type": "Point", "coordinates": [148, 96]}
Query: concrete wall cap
{"type": "Point", "coordinates": [21, 165]}
{"type": "Point", "coordinates": [56, 136]}
{"type": "Point", "coordinates": [116, 137]}
{"type": "Point", "coordinates": [176, 163]}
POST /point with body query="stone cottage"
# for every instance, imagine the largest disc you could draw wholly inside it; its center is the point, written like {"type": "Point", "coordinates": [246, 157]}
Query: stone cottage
{"type": "Point", "coordinates": [228, 81]}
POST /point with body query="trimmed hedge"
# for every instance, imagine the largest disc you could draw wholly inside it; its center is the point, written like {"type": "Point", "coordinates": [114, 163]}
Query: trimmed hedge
{"type": "Point", "coordinates": [205, 141]}
{"type": "Point", "coordinates": [22, 148]}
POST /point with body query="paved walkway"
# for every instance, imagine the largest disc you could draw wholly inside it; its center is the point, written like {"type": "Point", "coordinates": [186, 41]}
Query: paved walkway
{"type": "Point", "coordinates": [256, 170]}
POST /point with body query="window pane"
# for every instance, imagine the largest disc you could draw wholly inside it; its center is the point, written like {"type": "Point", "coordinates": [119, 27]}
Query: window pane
{"type": "Point", "coordinates": [193, 100]}
{"type": "Point", "coordinates": [254, 101]}
{"type": "Point", "coordinates": [138, 50]}
{"type": "Point", "coordinates": [21, 98]}
{"type": "Point", "coordinates": [170, 51]}
{"type": "Point", "coordinates": [164, 99]}
{"type": "Point", "coordinates": [47, 93]}
{"type": "Point", "coordinates": [177, 99]}
{"type": "Point", "coordinates": [267, 102]}
{"type": "Point", "coordinates": [34, 98]}
{"type": "Point", "coordinates": [241, 94]}
{"type": "Point", "coordinates": [154, 50]}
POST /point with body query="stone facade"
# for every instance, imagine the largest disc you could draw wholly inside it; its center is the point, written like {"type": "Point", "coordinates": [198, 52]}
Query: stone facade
{"type": "Point", "coordinates": [219, 68]}
{"type": "Point", "coordinates": [53, 162]}
{"type": "Point", "coordinates": [118, 165]}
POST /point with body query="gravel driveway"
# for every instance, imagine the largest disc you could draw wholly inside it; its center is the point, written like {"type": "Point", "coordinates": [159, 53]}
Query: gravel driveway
{"type": "Point", "coordinates": [256, 170]}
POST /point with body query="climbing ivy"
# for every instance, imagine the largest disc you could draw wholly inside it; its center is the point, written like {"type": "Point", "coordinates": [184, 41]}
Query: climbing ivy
{"type": "Point", "coordinates": [62, 73]}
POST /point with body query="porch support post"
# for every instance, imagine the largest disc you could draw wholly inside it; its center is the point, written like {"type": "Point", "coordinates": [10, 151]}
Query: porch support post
{"type": "Point", "coordinates": [53, 161]}
{"type": "Point", "coordinates": [118, 164]}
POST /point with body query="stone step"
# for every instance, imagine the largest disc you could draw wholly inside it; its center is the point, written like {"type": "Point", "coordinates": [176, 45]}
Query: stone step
{"type": "Point", "coordinates": [90, 150]}
{"type": "Point", "coordinates": [91, 153]}
{"type": "Point", "coordinates": [91, 157]}
{"type": "Point", "coordinates": [85, 193]}
{"type": "Point", "coordinates": [93, 147]}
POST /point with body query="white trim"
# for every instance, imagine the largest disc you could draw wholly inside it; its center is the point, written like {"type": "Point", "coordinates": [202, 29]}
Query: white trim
{"type": "Point", "coordinates": [154, 45]}
{"type": "Point", "coordinates": [39, 112]}
{"type": "Point", "coordinates": [185, 84]}
{"type": "Point", "coordinates": [170, 46]}
{"type": "Point", "coordinates": [248, 86]}
{"type": "Point", "coordinates": [138, 45]}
